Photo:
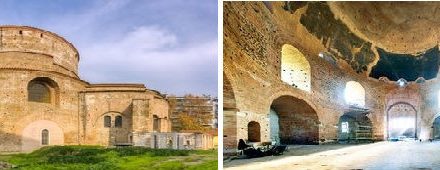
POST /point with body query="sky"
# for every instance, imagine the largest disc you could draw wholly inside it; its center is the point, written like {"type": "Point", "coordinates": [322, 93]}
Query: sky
{"type": "Point", "coordinates": [168, 45]}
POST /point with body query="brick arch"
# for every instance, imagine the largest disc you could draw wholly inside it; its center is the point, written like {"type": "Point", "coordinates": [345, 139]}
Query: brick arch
{"type": "Point", "coordinates": [242, 128]}
{"type": "Point", "coordinates": [300, 95]}
{"type": "Point", "coordinates": [405, 114]}
{"type": "Point", "coordinates": [437, 115]}
{"type": "Point", "coordinates": [409, 96]}
{"type": "Point", "coordinates": [230, 126]}
{"type": "Point", "coordinates": [49, 84]}
{"type": "Point", "coordinates": [112, 113]}
{"type": "Point", "coordinates": [298, 121]}
{"type": "Point", "coordinates": [229, 102]}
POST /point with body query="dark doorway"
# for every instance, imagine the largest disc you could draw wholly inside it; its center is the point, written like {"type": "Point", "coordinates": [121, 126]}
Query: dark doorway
{"type": "Point", "coordinates": [355, 127]}
{"type": "Point", "coordinates": [254, 132]}
{"type": "Point", "coordinates": [436, 128]}
{"type": "Point", "coordinates": [45, 137]}
{"type": "Point", "coordinates": [298, 121]}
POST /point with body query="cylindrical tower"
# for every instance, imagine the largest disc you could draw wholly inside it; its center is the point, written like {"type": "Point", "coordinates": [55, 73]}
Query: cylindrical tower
{"type": "Point", "coordinates": [47, 51]}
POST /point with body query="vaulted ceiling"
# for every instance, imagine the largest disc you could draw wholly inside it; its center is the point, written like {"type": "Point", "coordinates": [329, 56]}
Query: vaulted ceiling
{"type": "Point", "coordinates": [403, 35]}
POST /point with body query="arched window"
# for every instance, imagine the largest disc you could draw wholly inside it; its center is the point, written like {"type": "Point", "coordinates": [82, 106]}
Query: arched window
{"type": "Point", "coordinates": [39, 92]}
{"type": "Point", "coordinates": [45, 137]}
{"type": "Point", "coordinates": [107, 121]}
{"type": "Point", "coordinates": [295, 69]}
{"type": "Point", "coordinates": [254, 132]}
{"type": "Point", "coordinates": [118, 121]}
{"type": "Point", "coordinates": [156, 123]}
{"type": "Point", "coordinates": [43, 90]}
{"type": "Point", "coordinates": [170, 144]}
{"type": "Point", "coordinates": [354, 94]}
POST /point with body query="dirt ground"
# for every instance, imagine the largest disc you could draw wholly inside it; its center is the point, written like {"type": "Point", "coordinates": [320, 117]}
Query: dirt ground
{"type": "Point", "coordinates": [381, 155]}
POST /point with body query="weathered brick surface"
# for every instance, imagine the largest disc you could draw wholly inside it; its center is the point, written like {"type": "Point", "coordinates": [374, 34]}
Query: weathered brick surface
{"type": "Point", "coordinates": [33, 40]}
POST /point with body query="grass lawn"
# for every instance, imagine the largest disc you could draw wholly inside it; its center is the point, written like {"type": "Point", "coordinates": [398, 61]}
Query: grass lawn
{"type": "Point", "coordinates": [97, 158]}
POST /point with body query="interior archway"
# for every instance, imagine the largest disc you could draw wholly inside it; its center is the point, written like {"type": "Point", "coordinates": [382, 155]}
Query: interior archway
{"type": "Point", "coordinates": [295, 69]}
{"type": "Point", "coordinates": [402, 121]}
{"type": "Point", "coordinates": [298, 121]}
{"type": "Point", "coordinates": [355, 126]}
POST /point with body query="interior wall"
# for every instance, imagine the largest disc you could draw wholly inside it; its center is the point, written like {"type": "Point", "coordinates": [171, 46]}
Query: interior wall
{"type": "Point", "coordinates": [274, 126]}
{"type": "Point", "coordinates": [253, 40]}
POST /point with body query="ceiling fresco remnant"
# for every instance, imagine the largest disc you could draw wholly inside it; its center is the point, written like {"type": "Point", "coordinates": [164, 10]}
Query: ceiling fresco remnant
{"type": "Point", "coordinates": [364, 40]}
{"type": "Point", "coordinates": [337, 37]}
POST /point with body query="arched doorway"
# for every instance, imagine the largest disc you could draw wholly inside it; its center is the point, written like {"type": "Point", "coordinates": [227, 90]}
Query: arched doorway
{"type": "Point", "coordinates": [436, 128]}
{"type": "Point", "coordinates": [297, 120]}
{"type": "Point", "coordinates": [402, 121]}
{"type": "Point", "coordinates": [355, 127]}
{"type": "Point", "coordinates": [254, 134]}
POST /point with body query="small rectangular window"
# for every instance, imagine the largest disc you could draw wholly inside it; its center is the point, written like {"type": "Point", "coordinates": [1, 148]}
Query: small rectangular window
{"type": "Point", "coordinates": [118, 121]}
{"type": "Point", "coordinates": [45, 137]}
{"type": "Point", "coordinates": [107, 121]}
{"type": "Point", "coordinates": [344, 127]}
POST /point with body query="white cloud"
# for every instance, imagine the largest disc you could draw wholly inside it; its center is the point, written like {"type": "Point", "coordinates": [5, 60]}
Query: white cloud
{"type": "Point", "coordinates": [84, 20]}
{"type": "Point", "coordinates": [147, 38]}
{"type": "Point", "coordinates": [152, 55]}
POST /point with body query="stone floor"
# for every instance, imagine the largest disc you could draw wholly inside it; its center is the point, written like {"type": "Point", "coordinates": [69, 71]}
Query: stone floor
{"type": "Point", "coordinates": [381, 155]}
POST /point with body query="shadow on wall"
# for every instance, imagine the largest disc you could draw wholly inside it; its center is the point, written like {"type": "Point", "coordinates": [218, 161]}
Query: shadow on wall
{"type": "Point", "coordinates": [40, 133]}
{"type": "Point", "coordinates": [120, 127]}
{"type": "Point", "coordinates": [13, 143]}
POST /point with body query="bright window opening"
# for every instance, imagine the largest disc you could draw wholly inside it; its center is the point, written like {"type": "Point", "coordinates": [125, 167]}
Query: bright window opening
{"type": "Point", "coordinates": [295, 69]}
{"type": "Point", "coordinates": [344, 127]}
{"type": "Point", "coordinates": [354, 94]}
